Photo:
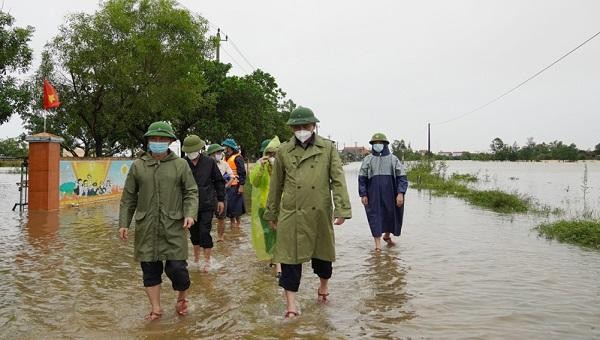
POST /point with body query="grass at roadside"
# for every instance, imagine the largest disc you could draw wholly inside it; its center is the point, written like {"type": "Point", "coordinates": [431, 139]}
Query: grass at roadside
{"type": "Point", "coordinates": [582, 232]}
{"type": "Point", "coordinates": [431, 176]}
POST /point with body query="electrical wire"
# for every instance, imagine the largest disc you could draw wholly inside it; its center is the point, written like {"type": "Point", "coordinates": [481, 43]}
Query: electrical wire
{"type": "Point", "coordinates": [519, 85]}
{"type": "Point", "coordinates": [240, 53]}
{"type": "Point", "coordinates": [233, 59]}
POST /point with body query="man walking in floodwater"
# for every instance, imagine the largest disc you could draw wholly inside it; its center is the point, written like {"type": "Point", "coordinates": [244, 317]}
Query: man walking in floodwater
{"type": "Point", "coordinates": [306, 171]}
{"type": "Point", "coordinates": [211, 194]}
{"type": "Point", "coordinates": [382, 184]}
{"type": "Point", "coordinates": [161, 194]}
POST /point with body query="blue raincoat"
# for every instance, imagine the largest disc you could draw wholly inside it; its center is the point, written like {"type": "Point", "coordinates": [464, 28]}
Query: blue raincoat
{"type": "Point", "coordinates": [382, 176]}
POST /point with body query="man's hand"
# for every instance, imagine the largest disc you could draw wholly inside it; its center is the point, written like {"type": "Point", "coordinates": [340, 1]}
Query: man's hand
{"type": "Point", "coordinates": [240, 189]}
{"type": "Point", "coordinates": [273, 224]}
{"type": "Point", "coordinates": [364, 200]}
{"type": "Point", "coordinates": [339, 221]}
{"type": "Point", "coordinates": [188, 222]}
{"type": "Point", "coordinates": [123, 234]}
{"type": "Point", "coordinates": [400, 200]}
{"type": "Point", "coordinates": [220, 207]}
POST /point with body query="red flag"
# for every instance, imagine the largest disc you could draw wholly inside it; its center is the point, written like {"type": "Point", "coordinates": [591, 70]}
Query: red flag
{"type": "Point", "coordinates": [50, 96]}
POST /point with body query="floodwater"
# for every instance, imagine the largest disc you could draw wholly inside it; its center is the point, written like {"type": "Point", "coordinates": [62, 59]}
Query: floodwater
{"type": "Point", "coordinates": [563, 185]}
{"type": "Point", "coordinates": [458, 271]}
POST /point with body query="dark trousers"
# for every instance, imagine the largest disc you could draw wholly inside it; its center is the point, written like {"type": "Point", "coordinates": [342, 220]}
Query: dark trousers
{"type": "Point", "coordinates": [176, 271]}
{"type": "Point", "coordinates": [291, 273]}
{"type": "Point", "coordinates": [200, 231]}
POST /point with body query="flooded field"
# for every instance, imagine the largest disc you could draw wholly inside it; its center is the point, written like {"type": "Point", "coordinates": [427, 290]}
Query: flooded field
{"type": "Point", "coordinates": [556, 184]}
{"type": "Point", "coordinates": [458, 271]}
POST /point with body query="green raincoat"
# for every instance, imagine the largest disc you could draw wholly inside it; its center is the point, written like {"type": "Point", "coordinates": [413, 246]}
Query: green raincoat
{"type": "Point", "coordinates": [300, 200]}
{"type": "Point", "coordinates": [159, 194]}
{"type": "Point", "coordinates": [262, 235]}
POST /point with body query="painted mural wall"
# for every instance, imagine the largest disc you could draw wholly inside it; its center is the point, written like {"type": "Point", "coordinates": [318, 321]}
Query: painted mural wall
{"type": "Point", "coordinates": [92, 180]}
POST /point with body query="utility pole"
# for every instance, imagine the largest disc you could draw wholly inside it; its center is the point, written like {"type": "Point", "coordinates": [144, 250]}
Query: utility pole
{"type": "Point", "coordinates": [218, 43]}
{"type": "Point", "coordinates": [429, 138]}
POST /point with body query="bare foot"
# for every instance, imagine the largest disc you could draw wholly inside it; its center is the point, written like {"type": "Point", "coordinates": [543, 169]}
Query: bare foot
{"type": "Point", "coordinates": [322, 297]}
{"type": "Point", "coordinates": [181, 307]}
{"type": "Point", "coordinates": [290, 314]}
{"type": "Point", "coordinates": [389, 241]}
{"type": "Point", "coordinates": [153, 316]}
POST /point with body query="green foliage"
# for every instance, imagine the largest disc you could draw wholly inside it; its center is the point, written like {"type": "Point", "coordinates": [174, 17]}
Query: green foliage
{"type": "Point", "coordinates": [13, 148]}
{"type": "Point", "coordinates": [555, 150]}
{"type": "Point", "coordinates": [431, 176]}
{"type": "Point", "coordinates": [15, 56]}
{"type": "Point", "coordinates": [581, 232]}
{"type": "Point", "coordinates": [134, 62]}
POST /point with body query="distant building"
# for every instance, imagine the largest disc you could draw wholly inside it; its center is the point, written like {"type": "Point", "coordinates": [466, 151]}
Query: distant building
{"type": "Point", "coordinates": [356, 150]}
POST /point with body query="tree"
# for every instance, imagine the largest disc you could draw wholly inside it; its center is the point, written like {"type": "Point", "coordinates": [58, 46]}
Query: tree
{"type": "Point", "coordinates": [13, 147]}
{"type": "Point", "coordinates": [497, 145]}
{"type": "Point", "coordinates": [15, 56]}
{"type": "Point", "coordinates": [129, 64]}
{"type": "Point", "coordinates": [597, 150]}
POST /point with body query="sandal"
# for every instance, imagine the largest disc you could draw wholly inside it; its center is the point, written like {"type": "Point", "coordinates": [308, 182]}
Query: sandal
{"type": "Point", "coordinates": [322, 297]}
{"type": "Point", "coordinates": [377, 250]}
{"type": "Point", "coordinates": [182, 307]}
{"type": "Point", "coordinates": [292, 313]}
{"type": "Point", "coordinates": [153, 316]}
{"type": "Point", "coordinates": [389, 241]}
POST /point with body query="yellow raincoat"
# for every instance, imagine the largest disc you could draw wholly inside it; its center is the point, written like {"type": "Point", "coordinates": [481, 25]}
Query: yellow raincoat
{"type": "Point", "coordinates": [262, 235]}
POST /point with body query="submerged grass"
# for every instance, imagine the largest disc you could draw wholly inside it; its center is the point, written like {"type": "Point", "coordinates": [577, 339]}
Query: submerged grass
{"type": "Point", "coordinates": [431, 176]}
{"type": "Point", "coordinates": [585, 233]}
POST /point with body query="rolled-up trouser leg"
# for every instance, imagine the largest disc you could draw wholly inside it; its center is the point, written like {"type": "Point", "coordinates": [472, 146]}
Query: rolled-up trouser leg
{"type": "Point", "coordinates": [322, 268]}
{"type": "Point", "coordinates": [177, 272]}
{"type": "Point", "coordinates": [152, 273]}
{"type": "Point", "coordinates": [290, 276]}
{"type": "Point", "coordinates": [205, 224]}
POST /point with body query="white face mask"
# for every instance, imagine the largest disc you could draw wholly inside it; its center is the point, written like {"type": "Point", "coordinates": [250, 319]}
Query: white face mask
{"type": "Point", "coordinates": [377, 147]}
{"type": "Point", "coordinates": [303, 135]}
{"type": "Point", "coordinates": [193, 155]}
{"type": "Point", "coordinates": [219, 157]}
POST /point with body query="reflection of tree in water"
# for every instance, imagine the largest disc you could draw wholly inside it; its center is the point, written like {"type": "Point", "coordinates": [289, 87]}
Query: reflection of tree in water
{"type": "Point", "coordinates": [387, 301]}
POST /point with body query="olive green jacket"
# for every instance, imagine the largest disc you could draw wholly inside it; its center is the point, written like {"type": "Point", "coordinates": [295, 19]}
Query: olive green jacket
{"type": "Point", "coordinates": [159, 194]}
{"type": "Point", "coordinates": [300, 200]}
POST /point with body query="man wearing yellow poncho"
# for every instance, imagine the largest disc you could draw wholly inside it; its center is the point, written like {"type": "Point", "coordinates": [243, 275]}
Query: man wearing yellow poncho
{"type": "Point", "coordinates": [263, 236]}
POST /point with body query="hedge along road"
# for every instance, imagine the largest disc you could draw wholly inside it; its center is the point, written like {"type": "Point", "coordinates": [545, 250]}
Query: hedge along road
{"type": "Point", "coordinates": [457, 271]}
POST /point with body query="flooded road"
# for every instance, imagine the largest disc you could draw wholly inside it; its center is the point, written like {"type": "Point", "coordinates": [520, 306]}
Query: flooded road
{"type": "Point", "coordinates": [458, 271]}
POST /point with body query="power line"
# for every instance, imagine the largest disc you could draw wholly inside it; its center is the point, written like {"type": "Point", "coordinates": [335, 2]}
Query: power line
{"type": "Point", "coordinates": [234, 61]}
{"type": "Point", "coordinates": [240, 53]}
{"type": "Point", "coordinates": [520, 84]}
{"type": "Point", "coordinates": [211, 25]}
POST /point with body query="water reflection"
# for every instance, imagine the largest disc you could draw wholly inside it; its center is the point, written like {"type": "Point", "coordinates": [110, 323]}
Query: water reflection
{"type": "Point", "coordinates": [458, 271]}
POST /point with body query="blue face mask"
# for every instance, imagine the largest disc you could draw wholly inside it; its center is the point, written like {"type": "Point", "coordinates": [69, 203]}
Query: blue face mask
{"type": "Point", "coordinates": [378, 147]}
{"type": "Point", "coordinates": [158, 147]}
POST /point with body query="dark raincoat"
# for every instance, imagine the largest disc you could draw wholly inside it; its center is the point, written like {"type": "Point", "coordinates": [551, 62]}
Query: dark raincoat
{"type": "Point", "coordinates": [382, 176]}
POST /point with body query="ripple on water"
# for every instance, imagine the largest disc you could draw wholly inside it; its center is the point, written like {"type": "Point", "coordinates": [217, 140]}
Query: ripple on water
{"type": "Point", "coordinates": [456, 272]}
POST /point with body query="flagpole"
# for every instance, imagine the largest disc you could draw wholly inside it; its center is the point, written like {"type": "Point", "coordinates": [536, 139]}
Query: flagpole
{"type": "Point", "coordinates": [45, 115]}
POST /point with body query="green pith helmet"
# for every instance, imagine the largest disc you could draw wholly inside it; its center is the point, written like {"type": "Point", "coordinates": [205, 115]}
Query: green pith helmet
{"type": "Point", "coordinates": [214, 148]}
{"type": "Point", "coordinates": [230, 142]}
{"type": "Point", "coordinates": [263, 145]}
{"type": "Point", "coordinates": [379, 137]}
{"type": "Point", "coordinates": [160, 129]}
{"type": "Point", "coordinates": [302, 115]}
{"type": "Point", "coordinates": [192, 143]}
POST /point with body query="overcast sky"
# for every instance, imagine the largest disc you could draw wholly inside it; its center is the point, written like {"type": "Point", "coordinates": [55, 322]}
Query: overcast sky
{"type": "Point", "coordinates": [393, 66]}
